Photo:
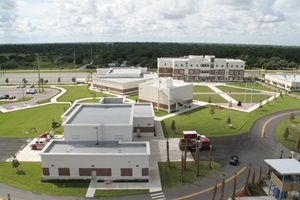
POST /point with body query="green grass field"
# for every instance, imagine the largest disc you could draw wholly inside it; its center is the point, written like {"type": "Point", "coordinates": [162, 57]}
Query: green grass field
{"type": "Point", "coordinates": [169, 177]}
{"type": "Point", "coordinates": [202, 88]}
{"type": "Point", "coordinates": [17, 124]}
{"type": "Point", "coordinates": [29, 179]}
{"type": "Point", "coordinates": [118, 193]}
{"type": "Point", "coordinates": [200, 119]}
{"type": "Point", "coordinates": [294, 129]}
{"type": "Point", "coordinates": [78, 92]}
{"type": "Point", "coordinates": [229, 89]}
{"type": "Point", "coordinates": [215, 98]}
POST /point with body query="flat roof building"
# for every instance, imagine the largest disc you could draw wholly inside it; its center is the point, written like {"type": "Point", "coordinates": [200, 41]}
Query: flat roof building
{"type": "Point", "coordinates": [121, 80]}
{"type": "Point", "coordinates": [288, 82]}
{"type": "Point", "coordinates": [98, 143]}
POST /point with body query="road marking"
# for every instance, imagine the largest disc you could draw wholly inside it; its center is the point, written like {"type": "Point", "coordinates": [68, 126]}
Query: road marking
{"type": "Point", "coordinates": [159, 195]}
{"type": "Point", "coordinates": [211, 188]}
{"type": "Point", "coordinates": [264, 126]}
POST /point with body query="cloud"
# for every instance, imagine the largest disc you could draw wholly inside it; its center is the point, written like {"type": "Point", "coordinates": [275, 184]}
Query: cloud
{"type": "Point", "coordinates": [8, 15]}
{"type": "Point", "coordinates": [232, 21]}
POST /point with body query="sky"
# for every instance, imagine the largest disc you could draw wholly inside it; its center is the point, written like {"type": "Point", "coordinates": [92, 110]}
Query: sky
{"type": "Point", "coordinates": [269, 22]}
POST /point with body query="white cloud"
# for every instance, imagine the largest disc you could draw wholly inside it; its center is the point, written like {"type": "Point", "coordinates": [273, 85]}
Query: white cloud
{"type": "Point", "coordinates": [229, 21]}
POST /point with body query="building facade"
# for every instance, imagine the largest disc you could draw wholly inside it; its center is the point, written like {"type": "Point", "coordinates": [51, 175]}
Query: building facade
{"type": "Point", "coordinates": [288, 82]}
{"type": "Point", "coordinates": [166, 93]}
{"type": "Point", "coordinates": [121, 80]}
{"type": "Point", "coordinates": [97, 142]}
{"type": "Point", "coordinates": [201, 68]}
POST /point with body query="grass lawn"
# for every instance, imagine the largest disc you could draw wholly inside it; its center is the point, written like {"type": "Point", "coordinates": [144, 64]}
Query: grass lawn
{"type": "Point", "coordinates": [29, 177]}
{"type": "Point", "coordinates": [254, 98]}
{"type": "Point", "coordinates": [229, 89]}
{"type": "Point", "coordinates": [294, 128]}
{"type": "Point", "coordinates": [215, 98]}
{"type": "Point", "coordinates": [160, 113]}
{"type": "Point", "coordinates": [133, 97]}
{"type": "Point", "coordinates": [202, 88]}
{"type": "Point", "coordinates": [255, 86]}
{"type": "Point", "coordinates": [117, 193]}
{"type": "Point", "coordinates": [16, 124]}
{"type": "Point", "coordinates": [92, 100]}
{"type": "Point", "coordinates": [26, 98]}
{"type": "Point", "coordinates": [78, 92]}
{"type": "Point", "coordinates": [200, 119]}
{"type": "Point", "coordinates": [169, 177]}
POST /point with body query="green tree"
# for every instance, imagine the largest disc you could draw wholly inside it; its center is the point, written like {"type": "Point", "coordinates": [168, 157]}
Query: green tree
{"type": "Point", "coordinates": [228, 122]}
{"type": "Point", "coordinates": [73, 79]}
{"type": "Point", "coordinates": [209, 100]}
{"type": "Point", "coordinates": [173, 126]}
{"type": "Point", "coordinates": [15, 164]}
{"type": "Point", "coordinates": [286, 133]}
{"type": "Point", "coordinates": [292, 117]}
{"type": "Point", "coordinates": [6, 81]}
{"type": "Point", "coordinates": [58, 80]}
{"type": "Point", "coordinates": [42, 83]}
{"type": "Point", "coordinates": [212, 110]}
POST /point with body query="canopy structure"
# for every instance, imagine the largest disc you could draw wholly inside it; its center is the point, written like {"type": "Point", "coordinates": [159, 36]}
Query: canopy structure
{"type": "Point", "coordinates": [285, 166]}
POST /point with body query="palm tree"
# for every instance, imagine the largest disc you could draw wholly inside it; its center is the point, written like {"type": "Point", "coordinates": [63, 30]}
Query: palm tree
{"type": "Point", "coordinates": [215, 191]}
{"type": "Point", "coordinates": [197, 159]}
{"type": "Point", "coordinates": [222, 188]}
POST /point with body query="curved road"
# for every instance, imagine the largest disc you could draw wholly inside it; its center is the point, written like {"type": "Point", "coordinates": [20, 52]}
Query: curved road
{"type": "Point", "coordinates": [250, 147]}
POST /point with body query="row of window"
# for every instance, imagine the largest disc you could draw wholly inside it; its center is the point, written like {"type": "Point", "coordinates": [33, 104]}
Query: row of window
{"type": "Point", "coordinates": [192, 65]}
{"type": "Point", "coordinates": [242, 66]}
{"type": "Point", "coordinates": [99, 171]}
{"type": "Point", "coordinates": [230, 72]}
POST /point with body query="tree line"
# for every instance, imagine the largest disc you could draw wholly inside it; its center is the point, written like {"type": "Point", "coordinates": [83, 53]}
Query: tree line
{"type": "Point", "coordinates": [69, 55]}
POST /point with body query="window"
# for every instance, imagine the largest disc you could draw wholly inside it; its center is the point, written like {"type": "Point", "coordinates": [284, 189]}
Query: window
{"type": "Point", "coordinates": [216, 65]}
{"type": "Point", "coordinates": [126, 171]}
{"type": "Point", "coordinates": [181, 71]}
{"type": "Point", "coordinates": [46, 172]}
{"type": "Point", "coordinates": [176, 65]}
{"type": "Point", "coordinates": [222, 66]}
{"type": "Point", "coordinates": [191, 65]}
{"type": "Point", "coordinates": [241, 72]}
{"type": "Point", "coordinates": [99, 171]}
{"type": "Point", "coordinates": [165, 64]}
{"type": "Point", "coordinates": [236, 72]}
{"type": "Point", "coordinates": [176, 71]}
{"type": "Point", "coordinates": [231, 66]}
{"type": "Point", "coordinates": [222, 72]}
{"type": "Point", "coordinates": [231, 72]}
{"type": "Point", "coordinates": [242, 66]}
{"type": "Point", "coordinates": [63, 171]}
{"type": "Point", "coordinates": [237, 66]}
{"type": "Point", "coordinates": [191, 71]}
{"type": "Point", "coordinates": [145, 171]}
{"type": "Point", "coordinates": [197, 65]}
{"type": "Point", "coordinates": [181, 65]}
{"type": "Point", "coordinates": [216, 72]}
{"type": "Point", "coordinates": [165, 70]}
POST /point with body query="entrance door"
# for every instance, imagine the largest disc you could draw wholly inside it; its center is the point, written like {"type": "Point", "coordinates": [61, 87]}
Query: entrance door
{"type": "Point", "coordinates": [94, 175]}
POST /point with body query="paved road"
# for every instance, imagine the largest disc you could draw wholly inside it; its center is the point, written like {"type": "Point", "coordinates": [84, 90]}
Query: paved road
{"type": "Point", "coordinates": [250, 147]}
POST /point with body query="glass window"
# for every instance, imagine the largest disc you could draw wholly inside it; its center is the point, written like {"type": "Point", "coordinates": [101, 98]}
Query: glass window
{"type": "Point", "coordinates": [181, 65]}
{"type": "Point", "coordinates": [216, 72]}
{"type": "Point", "coordinates": [191, 65]}
{"type": "Point", "coordinates": [231, 65]}
{"type": "Point", "coordinates": [242, 66]}
{"type": "Point", "coordinates": [237, 66]}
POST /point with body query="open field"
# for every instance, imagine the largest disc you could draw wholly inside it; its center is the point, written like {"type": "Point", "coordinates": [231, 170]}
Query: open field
{"type": "Point", "coordinates": [203, 122]}
{"type": "Point", "coordinates": [202, 88]}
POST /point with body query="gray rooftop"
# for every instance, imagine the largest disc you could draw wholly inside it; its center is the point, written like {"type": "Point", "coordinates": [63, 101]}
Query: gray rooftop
{"type": "Point", "coordinates": [101, 114]}
{"type": "Point", "coordinates": [143, 110]}
{"type": "Point", "coordinates": [91, 147]}
{"type": "Point", "coordinates": [287, 77]}
{"type": "Point", "coordinates": [285, 166]}
{"type": "Point", "coordinates": [127, 79]}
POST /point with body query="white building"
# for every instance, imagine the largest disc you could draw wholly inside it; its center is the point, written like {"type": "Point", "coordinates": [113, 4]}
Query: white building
{"type": "Point", "coordinates": [201, 68]}
{"type": "Point", "coordinates": [166, 94]}
{"type": "Point", "coordinates": [288, 82]}
{"type": "Point", "coordinates": [98, 142]}
{"type": "Point", "coordinates": [121, 80]}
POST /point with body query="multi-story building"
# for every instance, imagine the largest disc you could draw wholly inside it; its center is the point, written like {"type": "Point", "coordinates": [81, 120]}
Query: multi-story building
{"type": "Point", "coordinates": [288, 82]}
{"type": "Point", "coordinates": [201, 68]}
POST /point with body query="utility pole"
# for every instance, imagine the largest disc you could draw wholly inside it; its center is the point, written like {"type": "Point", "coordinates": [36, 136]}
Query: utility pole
{"type": "Point", "coordinates": [74, 61]}
{"type": "Point", "coordinates": [39, 76]}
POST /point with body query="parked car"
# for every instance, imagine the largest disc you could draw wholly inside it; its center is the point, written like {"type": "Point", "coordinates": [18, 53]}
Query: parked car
{"type": "Point", "coordinates": [28, 91]}
{"type": "Point", "coordinates": [18, 86]}
{"type": "Point", "coordinates": [23, 86]}
{"type": "Point", "coordinates": [33, 91]}
{"type": "Point", "coordinates": [6, 96]}
{"type": "Point", "coordinates": [32, 86]}
{"type": "Point", "coordinates": [12, 97]}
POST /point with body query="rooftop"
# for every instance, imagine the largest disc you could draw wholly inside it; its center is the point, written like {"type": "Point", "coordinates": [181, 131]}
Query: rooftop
{"type": "Point", "coordinates": [101, 114]}
{"type": "Point", "coordinates": [284, 166]}
{"type": "Point", "coordinates": [143, 110]}
{"type": "Point", "coordinates": [287, 77]}
{"type": "Point", "coordinates": [91, 147]}
{"type": "Point", "coordinates": [127, 79]}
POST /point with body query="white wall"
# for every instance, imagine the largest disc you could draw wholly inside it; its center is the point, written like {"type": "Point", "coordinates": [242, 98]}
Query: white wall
{"type": "Point", "coordinates": [113, 132]}
{"type": "Point", "coordinates": [143, 121]}
{"type": "Point", "coordinates": [113, 161]}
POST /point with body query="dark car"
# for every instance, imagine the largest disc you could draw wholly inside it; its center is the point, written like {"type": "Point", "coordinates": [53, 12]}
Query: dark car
{"type": "Point", "coordinates": [234, 160]}
{"type": "Point", "coordinates": [12, 97]}
{"type": "Point", "coordinates": [6, 96]}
